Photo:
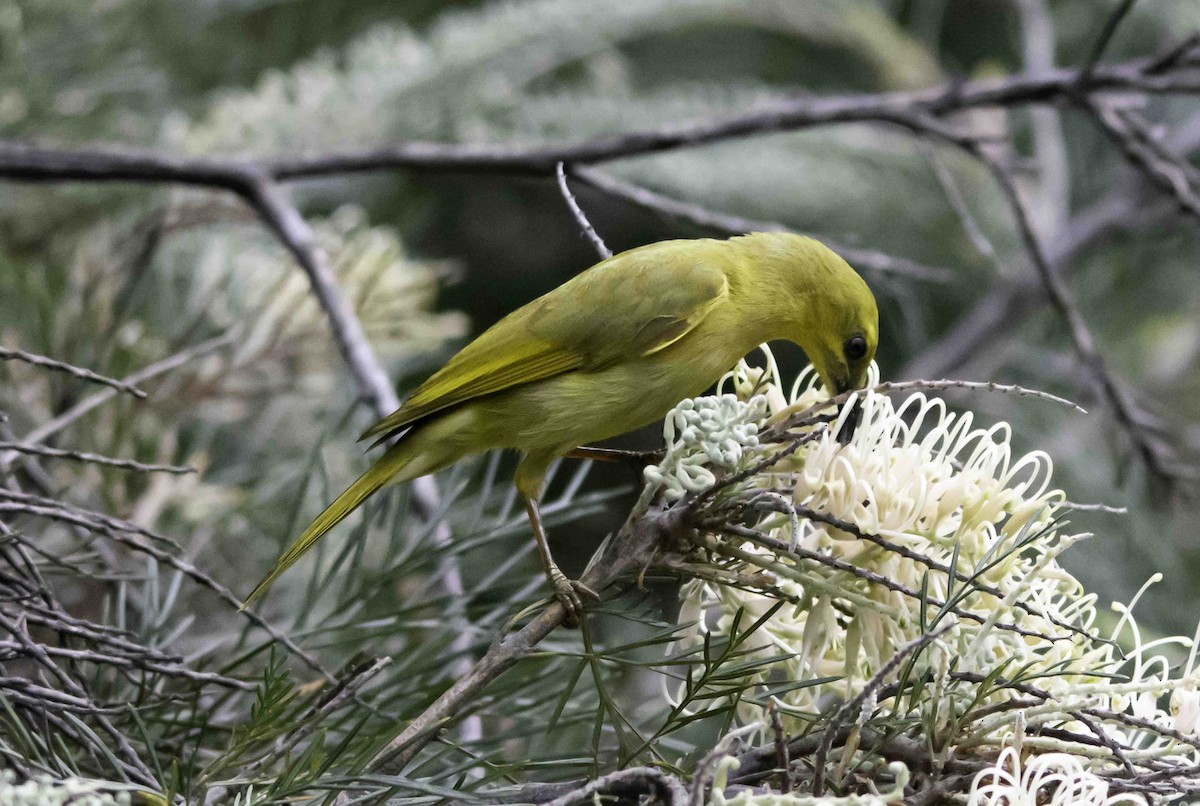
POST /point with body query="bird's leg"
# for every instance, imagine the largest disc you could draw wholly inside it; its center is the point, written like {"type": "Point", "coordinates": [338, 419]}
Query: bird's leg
{"type": "Point", "coordinates": [565, 590]}
{"type": "Point", "coordinates": [637, 458]}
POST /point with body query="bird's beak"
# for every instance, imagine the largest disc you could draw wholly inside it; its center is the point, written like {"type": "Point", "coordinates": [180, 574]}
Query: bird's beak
{"type": "Point", "coordinates": [853, 419]}
{"type": "Point", "coordinates": [850, 424]}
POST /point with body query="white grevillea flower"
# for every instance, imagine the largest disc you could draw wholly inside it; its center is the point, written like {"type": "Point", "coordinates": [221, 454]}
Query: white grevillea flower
{"type": "Point", "coordinates": [939, 492]}
{"type": "Point", "coordinates": [1049, 779]}
{"type": "Point", "coordinates": [43, 790]}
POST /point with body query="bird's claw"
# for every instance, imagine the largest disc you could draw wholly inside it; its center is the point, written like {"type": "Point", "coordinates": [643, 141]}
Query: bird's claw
{"type": "Point", "coordinates": [567, 592]}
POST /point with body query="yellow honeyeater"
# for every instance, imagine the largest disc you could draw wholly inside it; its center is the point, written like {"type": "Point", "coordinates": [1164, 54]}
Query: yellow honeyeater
{"type": "Point", "coordinates": [610, 350]}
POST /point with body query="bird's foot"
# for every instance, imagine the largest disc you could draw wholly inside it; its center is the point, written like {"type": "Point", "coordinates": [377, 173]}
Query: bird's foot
{"type": "Point", "coordinates": [568, 591]}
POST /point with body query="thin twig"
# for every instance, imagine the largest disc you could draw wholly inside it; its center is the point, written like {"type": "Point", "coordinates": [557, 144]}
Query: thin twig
{"type": "Point", "coordinates": [727, 224]}
{"type": "Point", "coordinates": [958, 203]}
{"type": "Point", "coordinates": [1111, 23]}
{"type": "Point", "coordinates": [578, 214]}
{"type": "Point", "coordinates": [1146, 152]}
{"type": "Point", "coordinates": [8, 354]}
{"type": "Point", "coordinates": [284, 219]}
{"type": "Point", "coordinates": [93, 458]}
{"type": "Point", "coordinates": [1128, 415]}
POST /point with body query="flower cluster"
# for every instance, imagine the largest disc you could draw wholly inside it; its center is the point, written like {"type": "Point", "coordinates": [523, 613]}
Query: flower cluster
{"type": "Point", "coordinates": [43, 790]}
{"type": "Point", "coordinates": [922, 520]}
{"type": "Point", "coordinates": [1049, 779]}
{"type": "Point", "coordinates": [704, 435]}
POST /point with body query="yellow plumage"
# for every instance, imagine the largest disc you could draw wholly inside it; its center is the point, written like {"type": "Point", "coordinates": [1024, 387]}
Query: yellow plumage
{"type": "Point", "coordinates": [614, 349]}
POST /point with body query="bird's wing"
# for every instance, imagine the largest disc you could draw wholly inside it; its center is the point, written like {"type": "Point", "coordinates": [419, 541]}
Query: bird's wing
{"type": "Point", "coordinates": [627, 306]}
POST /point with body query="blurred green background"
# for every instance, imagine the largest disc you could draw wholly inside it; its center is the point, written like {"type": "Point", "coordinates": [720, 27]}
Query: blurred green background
{"type": "Point", "coordinates": [114, 277]}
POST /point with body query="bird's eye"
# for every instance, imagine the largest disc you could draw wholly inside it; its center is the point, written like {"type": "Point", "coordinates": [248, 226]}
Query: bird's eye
{"type": "Point", "coordinates": [856, 348]}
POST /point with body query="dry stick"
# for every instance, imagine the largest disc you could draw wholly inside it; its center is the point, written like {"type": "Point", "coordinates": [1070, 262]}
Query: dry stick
{"type": "Point", "coordinates": [127, 662]}
{"type": "Point", "coordinates": [7, 354]}
{"type": "Point", "coordinates": [578, 214]}
{"type": "Point", "coordinates": [282, 217]}
{"type": "Point", "coordinates": [1154, 159]}
{"type": "Point", "coordinates": [788, 114]}
{"type": "Point", "coordinates": [93, 458]}
{"type": "Point", "coordinates": [1112, 744]}
{"type": "Point", "coordinates": [1143, 724]}
{"type": "Point", "coordinates": [91, 516]}
{"type": "Point", "coordinates": [1011, 302]}
{"type": "Point", "coordinates": [1124, 409]}
{"type": "Point", "coordinates": [1106, 34]}
{"type": "Point", "coordinates": [727, 224]}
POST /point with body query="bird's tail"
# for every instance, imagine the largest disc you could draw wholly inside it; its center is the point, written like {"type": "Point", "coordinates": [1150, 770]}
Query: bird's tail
{"type": "Point", "coordinates": [383, 471]}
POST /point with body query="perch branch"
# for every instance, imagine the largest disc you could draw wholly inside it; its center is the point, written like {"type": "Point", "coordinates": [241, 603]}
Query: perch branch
{"type": "Point", "coordinates": [634, 546]}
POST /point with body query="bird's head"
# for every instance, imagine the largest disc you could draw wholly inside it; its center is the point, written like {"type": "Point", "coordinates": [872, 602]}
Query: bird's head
{"type": "Point", "coordinates": [841, 343]}
{"type": "Point", "coordinates": [828, 309]}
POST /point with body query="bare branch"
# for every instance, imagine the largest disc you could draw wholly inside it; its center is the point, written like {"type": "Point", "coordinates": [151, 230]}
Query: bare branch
{"type": "Point", "coordinates": [958, 203]}
{"type": "Point", "coordinates": [93, 458]}
{"type": "Point", "coordinates": [7, 354]}
{"type": "Point", "coordinates": [633, 785]}
{"type": "Point", "coordinates": [285, 221]}
{"type": "Point", "coordinates": [36, 163]}
{"type": "Point", "coordinates": [1111, 23]}
{"type": "Point", "coordinates": [580, 219]}
{"type": "Point", "coordinates": [727, 224]}
{"type": "Point", "coordinates": [1128, 415]}
{"type": "Point", "coordinates": [1142, 147]}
